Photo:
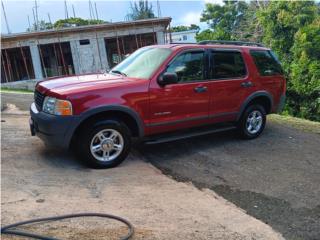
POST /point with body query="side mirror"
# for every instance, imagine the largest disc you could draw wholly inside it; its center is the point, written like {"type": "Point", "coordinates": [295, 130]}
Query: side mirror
{"type": "Point", "coordinates": [167, 78]}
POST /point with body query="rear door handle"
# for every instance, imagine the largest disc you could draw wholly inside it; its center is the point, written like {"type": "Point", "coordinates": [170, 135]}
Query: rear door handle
{"type": "Point", "coordinates": [246, 84]}
{"type": "Point", "coordinates": [200, 89]}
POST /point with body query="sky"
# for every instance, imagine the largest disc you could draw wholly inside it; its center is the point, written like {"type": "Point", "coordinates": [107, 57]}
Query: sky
{"type": "Point", "coordinates": [182, 12]}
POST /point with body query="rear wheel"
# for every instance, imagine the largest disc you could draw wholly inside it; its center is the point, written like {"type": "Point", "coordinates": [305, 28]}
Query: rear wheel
{"type": "Point", "coordinates": [252, 121]}
{"type": "Point", "coordinates": [105, 144]}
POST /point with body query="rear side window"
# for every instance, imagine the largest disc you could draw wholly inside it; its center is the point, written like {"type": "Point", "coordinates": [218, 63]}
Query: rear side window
{"type": "Point", "coordinates": [227, 64]}
{"type": "Point", "coordinates": [266, 63]}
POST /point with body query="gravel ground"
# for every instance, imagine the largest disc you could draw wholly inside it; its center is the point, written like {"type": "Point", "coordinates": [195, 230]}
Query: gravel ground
{"type": "Point", "coordinates": [39, 182]}
{"type": "Point", "coordinates": [275, 178]}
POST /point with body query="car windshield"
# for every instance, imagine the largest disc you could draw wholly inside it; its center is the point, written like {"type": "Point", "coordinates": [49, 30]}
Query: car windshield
{"type": "Point", "coordinates": [142, 63]}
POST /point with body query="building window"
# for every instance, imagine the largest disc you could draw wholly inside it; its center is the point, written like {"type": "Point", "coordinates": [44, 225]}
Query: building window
{"type": "Point", "coordinates": [84, 42]}
{"type": "Point", "coordinates": [184, 37]}
{"type": "Point", "coordinates": [16, 64]}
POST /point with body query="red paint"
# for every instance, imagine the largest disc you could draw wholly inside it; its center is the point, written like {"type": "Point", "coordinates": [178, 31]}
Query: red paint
{"type": "Point", "coordinates": [174, 103]}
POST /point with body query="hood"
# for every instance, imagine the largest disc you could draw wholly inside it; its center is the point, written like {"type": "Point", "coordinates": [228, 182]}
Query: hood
{"type": "Point", "coordinates": [82, 82]}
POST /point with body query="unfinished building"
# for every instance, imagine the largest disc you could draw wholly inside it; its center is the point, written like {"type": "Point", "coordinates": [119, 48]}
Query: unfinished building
{"type": "Point", "coordinates": [76, 50]}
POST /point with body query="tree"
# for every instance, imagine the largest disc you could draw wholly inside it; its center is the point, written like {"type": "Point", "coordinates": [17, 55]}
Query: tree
{"type": "Point", "coordinates": [281, 20]}
{"type": "Point", "coordinates": [207, 34]}
{"type": "Point", "coordinates": [185, 28]}
{"type": "Point", "coordinates": [140, 10]}
{"type": "Point", "coordinates": [72, 22]}
{"type": "Point", "coordinates": [249, 28]}
{"type": "Point", "coordinates": [61, 23]}
{"type": "Point", "coordinates": [304, 91]}
{"type": "Point", "coordinates": [291, 29]}
{"type": "Point", "coordinates": [42, 25]}
{"type": "Point", "coordinates": [224, 20]}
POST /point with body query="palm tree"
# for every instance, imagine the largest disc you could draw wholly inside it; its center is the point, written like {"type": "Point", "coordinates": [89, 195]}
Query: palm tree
{"type": "Point", "coordinates": [140, 10]}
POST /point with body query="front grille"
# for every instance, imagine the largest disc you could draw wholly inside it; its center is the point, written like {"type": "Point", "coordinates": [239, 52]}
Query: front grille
{"type": "Point", "coordinates": [38, 99]}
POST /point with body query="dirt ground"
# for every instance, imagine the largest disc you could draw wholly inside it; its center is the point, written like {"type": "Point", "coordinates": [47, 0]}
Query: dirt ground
{"type": "Point", "coordinates": [40, 182]}
{"type": "Point", "coordinates": [275, 177]}
{"type": "Point", "coordinates": [21, 101]}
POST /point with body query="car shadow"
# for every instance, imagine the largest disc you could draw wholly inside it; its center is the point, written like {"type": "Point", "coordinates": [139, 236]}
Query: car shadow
{"type": "Point", "coordinates": [259, 175]}
{"type": "Point", "coordinates": [60, 158]}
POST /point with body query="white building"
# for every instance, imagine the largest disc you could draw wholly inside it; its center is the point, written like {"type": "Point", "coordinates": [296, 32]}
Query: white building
{"type": "Point", "coordinates": [183, 37]}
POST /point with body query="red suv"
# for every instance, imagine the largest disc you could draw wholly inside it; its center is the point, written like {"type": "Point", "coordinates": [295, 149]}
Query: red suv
{"type": "Point", "coordinates": [160, 93]}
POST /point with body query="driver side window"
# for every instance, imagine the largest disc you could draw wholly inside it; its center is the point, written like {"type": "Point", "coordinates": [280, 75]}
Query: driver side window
{"type": "Point", "coordinates": [188, 66]}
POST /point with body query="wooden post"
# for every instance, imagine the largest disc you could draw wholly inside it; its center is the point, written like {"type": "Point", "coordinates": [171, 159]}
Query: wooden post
{"type": "Point", "coordinates": [62, 57]}
{"type": "Point", "coordinates": [118, 46]}
{"type": "Point", "coordinates": [24, 61]}
{"type": "Point", "coordinates": [9, 65]}
{"type": "Point", "coordinates": [4, 67]}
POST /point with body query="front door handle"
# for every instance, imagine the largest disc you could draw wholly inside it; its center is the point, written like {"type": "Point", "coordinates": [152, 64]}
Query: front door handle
{"type": "Point", "coordinates": [246, 84]}
{"type": "Point", "coordinates": [200, 89]}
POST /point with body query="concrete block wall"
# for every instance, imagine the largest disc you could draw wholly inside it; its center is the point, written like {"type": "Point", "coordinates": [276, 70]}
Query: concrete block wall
{"type": "Point", "coordinates": [25, 84]}
{"type": "Point", "coordinates": [88, 58]}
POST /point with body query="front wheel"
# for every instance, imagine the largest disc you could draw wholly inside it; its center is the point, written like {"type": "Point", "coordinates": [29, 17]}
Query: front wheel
{"type": "Point", "coordinates": [252, 122]}
{"type": "Point", "coordinates": [104, 145]}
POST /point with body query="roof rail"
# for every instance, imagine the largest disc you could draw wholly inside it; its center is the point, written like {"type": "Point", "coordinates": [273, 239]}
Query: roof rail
{"type": "Point", "coordinates": [240, 43]}
{"type": "Point", "coordinates": [182, 43]}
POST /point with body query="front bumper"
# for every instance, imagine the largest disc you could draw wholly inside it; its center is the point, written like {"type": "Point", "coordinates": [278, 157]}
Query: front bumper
{"type": "Point", "coordinates": [53, 130]}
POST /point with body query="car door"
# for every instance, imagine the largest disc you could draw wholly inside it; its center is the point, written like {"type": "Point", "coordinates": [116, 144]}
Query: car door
{"type": "Point", "coordinates": [185, 103]}
{"type": "Point", "coordinates": [230, 84]}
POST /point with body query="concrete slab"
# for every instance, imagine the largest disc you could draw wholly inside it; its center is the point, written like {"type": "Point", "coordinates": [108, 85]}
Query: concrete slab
{"type": "Point", "coordinates": [39, 182]}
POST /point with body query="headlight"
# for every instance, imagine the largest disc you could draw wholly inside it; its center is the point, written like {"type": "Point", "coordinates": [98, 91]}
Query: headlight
{"type": "Point", "coordinates": [57, 107]}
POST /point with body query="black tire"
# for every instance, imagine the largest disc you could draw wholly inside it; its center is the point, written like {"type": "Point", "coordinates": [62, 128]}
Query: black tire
{"type": "Point", "coordinates": [243, 125]}
{"type": "Point", "coordinates": [86, 136]}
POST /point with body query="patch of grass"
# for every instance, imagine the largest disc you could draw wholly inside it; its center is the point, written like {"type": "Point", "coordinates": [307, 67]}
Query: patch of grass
{"type": "Point", "coordinates": [299, 123]}
{"type": "Point", "coordinates": [10, 90]}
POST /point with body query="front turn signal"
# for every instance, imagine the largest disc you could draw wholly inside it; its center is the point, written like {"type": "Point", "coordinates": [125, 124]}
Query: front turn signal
{"type": "Point", "coordinates": [63, 108]}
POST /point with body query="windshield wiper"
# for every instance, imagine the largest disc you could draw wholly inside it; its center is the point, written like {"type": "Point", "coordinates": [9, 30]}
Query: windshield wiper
{"type": "Point", "coordinates": [119, 72]}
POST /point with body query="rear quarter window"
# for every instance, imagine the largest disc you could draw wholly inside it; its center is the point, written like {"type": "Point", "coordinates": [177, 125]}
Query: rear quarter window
{"type": "Point", "coordinates": [266, 62]}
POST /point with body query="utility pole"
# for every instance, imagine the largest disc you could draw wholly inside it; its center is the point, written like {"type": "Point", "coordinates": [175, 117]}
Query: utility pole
{"type": "Point", "coordinates": [5, 18]}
